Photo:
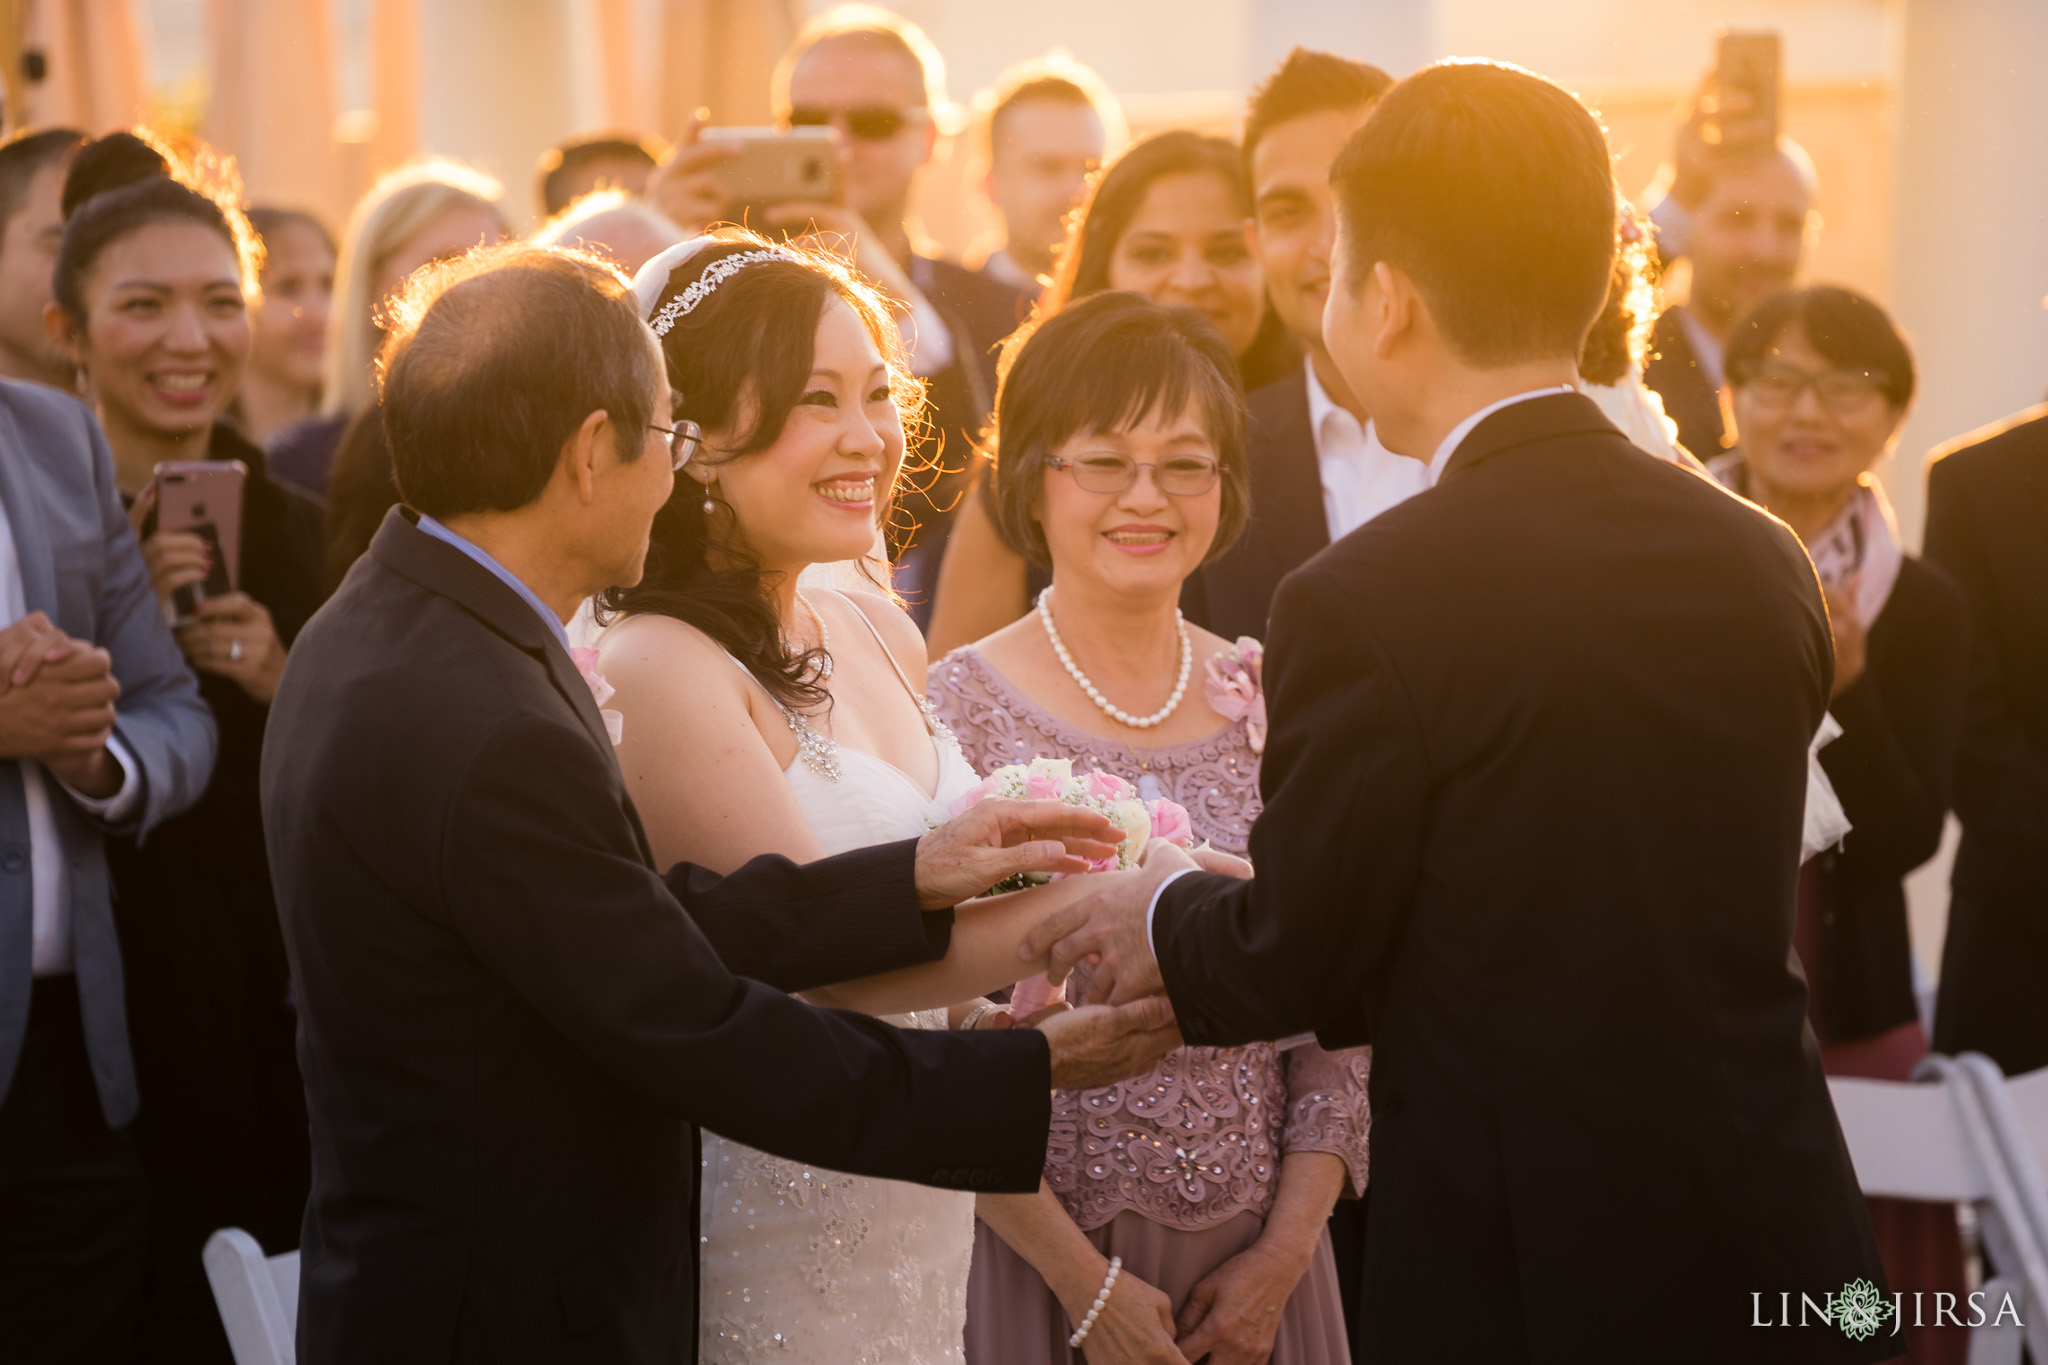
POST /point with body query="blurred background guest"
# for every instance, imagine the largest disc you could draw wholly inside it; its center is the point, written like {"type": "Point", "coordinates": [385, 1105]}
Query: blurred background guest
{"type": "Point", "coordinates": [1170, 219]}
{"type": "Point", "coordinates": [414, 215]}
{"type": "Point", "coordinates": [152, 286]}
{"type": "Point", "coordinates": [1739, 210]}
{"type": "Point", "coordinates": [577, 166]}
{"type": "Point", "coordinates": [615, 225]}
{"type": "Point", "coordinates": [32, 168]}
{"type": "Point", "coordinates": [1987, 524]}
{"type": "Point", "coordinates": [1822, 380]}
{"type": "Point", "coordinates": [1047, 126]}
{"type": "Point", "coordinates": [876, 78]}
{"type": "Point", "coordinates": [1121, 468]}
{"type": "Point", "coordinates": [288, 327]}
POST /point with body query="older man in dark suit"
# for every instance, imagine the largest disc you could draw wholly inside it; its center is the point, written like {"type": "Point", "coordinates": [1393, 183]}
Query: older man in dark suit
{"type": "Point", "coordinates": [101, 730]}
{"type": "Point", "coordinates": [509, 1019]}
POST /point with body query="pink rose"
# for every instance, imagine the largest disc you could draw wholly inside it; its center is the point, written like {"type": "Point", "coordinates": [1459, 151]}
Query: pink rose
{"type": "Point", "coordinates": [1170, 822]}
{"type": "Point", "coordinates": [1108, 787]}
{"type": "Point", "coordinates": [1033, 994]}
{"type": "Point", "coordinates": [1235, 689]}
{"type": "Point", "coordinates": [600, 692]}
{"type": "Point", "coordinates": [1041, 787]}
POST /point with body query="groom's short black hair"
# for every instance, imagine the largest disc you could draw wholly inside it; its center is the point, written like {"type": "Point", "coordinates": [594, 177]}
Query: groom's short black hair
{"type": "Point", "coordinates": [494, 358]}
{"type": "Point", "coordinates": [1493, 190]}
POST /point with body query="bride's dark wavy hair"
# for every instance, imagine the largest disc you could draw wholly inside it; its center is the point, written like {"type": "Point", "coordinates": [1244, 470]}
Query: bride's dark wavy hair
{"type": "Point", "coordinates": [738, 362]}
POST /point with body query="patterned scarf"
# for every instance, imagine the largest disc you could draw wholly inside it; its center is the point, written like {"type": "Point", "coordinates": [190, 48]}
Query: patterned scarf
{"type": "Point", "coordinates": [1859, 551]}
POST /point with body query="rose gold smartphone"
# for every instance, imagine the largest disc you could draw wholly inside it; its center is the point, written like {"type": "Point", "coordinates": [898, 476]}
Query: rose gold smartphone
{"type": "Point", "coordinates": [777, 166]}
{"type": "Point", "coordinates": [204, 498]}
{"type": "Point", "coordinates": [1750, 62]}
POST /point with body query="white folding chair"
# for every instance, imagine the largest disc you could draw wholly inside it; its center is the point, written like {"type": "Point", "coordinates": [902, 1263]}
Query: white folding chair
{"type": "Point", "coordinates": [258, 1297]}
{"type": "Point", "coordinates": [1933, 1140]}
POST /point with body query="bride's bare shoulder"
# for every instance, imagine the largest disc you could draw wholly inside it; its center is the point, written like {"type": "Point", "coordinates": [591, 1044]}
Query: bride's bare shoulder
{"type": "Point", "coordinates": [652, 647]}
{"type": "Point", "coordinates": [893, 624]}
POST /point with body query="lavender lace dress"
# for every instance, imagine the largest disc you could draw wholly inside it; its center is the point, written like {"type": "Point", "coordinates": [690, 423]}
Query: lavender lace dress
{"type": "Point", "coordinates": [1175, 1170]}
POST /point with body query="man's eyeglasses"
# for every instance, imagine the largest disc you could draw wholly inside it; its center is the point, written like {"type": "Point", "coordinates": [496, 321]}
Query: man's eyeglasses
{"type": "Point", "coordinates": [1843, 392]}
{"type": "Point", "coordinates": [868, 123]}
{"type": "Point", "coordinates": [685, 439]}
{"type": "Point", "coordinates": [1182, 476]}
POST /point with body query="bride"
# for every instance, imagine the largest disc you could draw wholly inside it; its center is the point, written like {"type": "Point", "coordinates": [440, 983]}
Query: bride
{"type": "Point", "coordinates": [760, 717]}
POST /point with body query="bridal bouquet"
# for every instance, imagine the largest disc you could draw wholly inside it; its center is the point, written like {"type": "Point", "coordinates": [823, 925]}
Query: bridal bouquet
{"type": "Point", "coordinates": [1054, 779]}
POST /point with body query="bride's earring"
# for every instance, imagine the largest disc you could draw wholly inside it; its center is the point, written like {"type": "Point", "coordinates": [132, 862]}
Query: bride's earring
{"type": "Point", "coordinates": [710, 503]}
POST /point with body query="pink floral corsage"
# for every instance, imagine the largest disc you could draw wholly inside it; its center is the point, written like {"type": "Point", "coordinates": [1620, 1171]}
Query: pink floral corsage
{"type": "Point", "coordinates": [600, 692]}
{"type": "Point", "coordinates": [1235, 690]}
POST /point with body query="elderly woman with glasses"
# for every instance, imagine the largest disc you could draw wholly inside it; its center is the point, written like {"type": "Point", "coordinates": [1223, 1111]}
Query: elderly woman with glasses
{"type": "Point", "coordinates": [1206, 1184]}
{"type": "Point", "coordinates": [1821, 381]}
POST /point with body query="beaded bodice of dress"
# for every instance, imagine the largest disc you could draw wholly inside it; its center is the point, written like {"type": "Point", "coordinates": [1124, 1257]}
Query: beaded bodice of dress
{"type": "Point", "coordinates": [805, 1266]}
{"type": "Point", "coordinates": [1199, 1138]}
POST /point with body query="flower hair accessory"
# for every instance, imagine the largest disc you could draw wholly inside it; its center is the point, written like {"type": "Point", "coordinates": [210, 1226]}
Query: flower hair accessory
{"type": "Point", "coordinates": [706, 284]}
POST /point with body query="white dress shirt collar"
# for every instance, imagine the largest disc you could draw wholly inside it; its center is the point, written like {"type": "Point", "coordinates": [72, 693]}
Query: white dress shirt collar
{"type": "Point", "coordinates": [1361, 478]}
{"type": "Point", "coordinates": [1450, 444]}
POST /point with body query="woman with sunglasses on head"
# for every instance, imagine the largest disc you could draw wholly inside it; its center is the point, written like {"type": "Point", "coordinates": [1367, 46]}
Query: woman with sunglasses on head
{"type": "Point", "coordinates": [1169, 219]}
{"type": "Point", "coordinates": [1206, 1185]}
{"type": "Point", "coordinates": [1821, 382]}
{"type": "Point", "coordinates": [152, 288]}
{"type": "Point", "coordinates": [758, 717]}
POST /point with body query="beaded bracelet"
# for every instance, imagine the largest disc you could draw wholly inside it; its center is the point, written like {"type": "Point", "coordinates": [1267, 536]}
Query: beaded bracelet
{"type": "Point", "coordinates": [1116, 1266]}
{"type": "Point", "coordinates": [977, 1014]}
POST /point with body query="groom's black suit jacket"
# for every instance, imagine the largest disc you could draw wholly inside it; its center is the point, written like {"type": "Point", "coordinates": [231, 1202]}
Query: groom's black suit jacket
{"type": "Point", "coordinates": [509, 1021]}
{"type": "Point", "coordinates": [1533, 797]}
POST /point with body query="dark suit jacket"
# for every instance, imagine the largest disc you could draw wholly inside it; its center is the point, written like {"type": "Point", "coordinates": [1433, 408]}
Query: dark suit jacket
{"type": "Point", "coordinates": [1690, 398]}
{"type": "Point", "coordinates": [1533, 804]}
{"type": "Point", "coordinates": [1893, 766]}
{"type": "Point", "coordinates": [1232, 594]}
{"type": "Point", "coordinates": [510, 1020]}
{"type": "Point", "coordinates": [1987, 524]}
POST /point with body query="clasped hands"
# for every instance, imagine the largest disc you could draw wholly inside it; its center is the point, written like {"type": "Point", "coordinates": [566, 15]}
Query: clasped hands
{"type": "Point", "coordinates": [57, 698]}
{"type": "Point", "coordinates": [1124, 1024]}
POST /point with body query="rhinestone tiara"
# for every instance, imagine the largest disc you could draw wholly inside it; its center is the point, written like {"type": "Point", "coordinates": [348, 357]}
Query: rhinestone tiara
{"type": "Point", "coordinates": [706, 284]}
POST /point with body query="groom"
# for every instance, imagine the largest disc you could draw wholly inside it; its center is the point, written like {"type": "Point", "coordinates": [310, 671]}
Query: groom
{"type": "Point", "coordinates": [1533, 797]}
{"type": "Point", "coordinates": [508, 1019]}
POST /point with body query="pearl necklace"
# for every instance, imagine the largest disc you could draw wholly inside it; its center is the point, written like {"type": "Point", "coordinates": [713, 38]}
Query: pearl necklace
{"type": "Point", "coordinates": [1117, 713]}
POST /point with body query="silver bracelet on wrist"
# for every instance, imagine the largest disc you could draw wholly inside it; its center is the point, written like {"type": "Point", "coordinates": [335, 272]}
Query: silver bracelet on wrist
{"type": "Point", "coordinates": [974, 1015]}
{"type": "Point", "coordinates": [1116, 1267]}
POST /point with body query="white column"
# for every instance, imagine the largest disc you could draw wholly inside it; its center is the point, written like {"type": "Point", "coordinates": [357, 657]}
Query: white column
{"type": "Point", "coordinates": [1970, 260]}
{"type": "Point", "coordinates": [273, 103]}
{"type": "Point", "coordinates": [1395, 35]}
{"type": "Point", "coordinates": [497, 86]}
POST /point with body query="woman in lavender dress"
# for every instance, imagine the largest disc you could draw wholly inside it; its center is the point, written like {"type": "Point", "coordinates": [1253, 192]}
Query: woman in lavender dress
{"type": "Point", "coordinates": [1122, 468]}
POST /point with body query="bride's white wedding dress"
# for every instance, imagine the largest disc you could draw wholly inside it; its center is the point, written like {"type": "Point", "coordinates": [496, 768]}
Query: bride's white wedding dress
{"type": "Point", "coordinates": [807, 1266]}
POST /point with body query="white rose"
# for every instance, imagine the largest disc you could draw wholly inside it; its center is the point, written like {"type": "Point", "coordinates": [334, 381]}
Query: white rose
{"type": "Point", "coordinates": [1061, 769]}
{"type": "Point", "coordinates": [1136, 822]}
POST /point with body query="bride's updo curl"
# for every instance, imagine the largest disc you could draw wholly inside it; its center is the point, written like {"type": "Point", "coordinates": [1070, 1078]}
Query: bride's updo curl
{"type": "Point", "coordinates": [738, 362]}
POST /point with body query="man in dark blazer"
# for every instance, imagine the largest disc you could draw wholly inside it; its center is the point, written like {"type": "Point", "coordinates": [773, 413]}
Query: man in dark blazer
{"type": "Point", "coordinates": [509, 1020]}
{"type": "Point", "coordinates": [1689, 386]}
{"type": "Point", "coordinates": [1987, 524]}
{"type": "Point", "coordinates": [83, 628]}
{"type": "Point", "coordinates": [1316, 472]}
{"type": "Point", "coordinates": [1534, 793]}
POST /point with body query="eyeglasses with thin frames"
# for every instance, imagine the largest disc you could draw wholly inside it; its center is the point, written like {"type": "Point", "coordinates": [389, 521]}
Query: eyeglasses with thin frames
{"type": "Point", "coordinates": [1179, 476]}
{"type": "Point", "coordinates": [1842, 392]}
{"type": "Point", "coordinates": [685, 439]}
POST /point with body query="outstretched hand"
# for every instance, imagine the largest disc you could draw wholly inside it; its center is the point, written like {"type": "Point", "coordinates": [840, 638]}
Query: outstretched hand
{"type": "Point", "coordinates": [1102, 1044]}
{"type": "Point", "coordinates": [1105, 929]}
{"type": "Point", "coordinates": [997, 839]}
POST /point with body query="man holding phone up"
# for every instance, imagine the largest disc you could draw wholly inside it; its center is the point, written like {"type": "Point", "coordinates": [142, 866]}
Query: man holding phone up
{"type": "Point", "coordinates": [1737, 202]}
{"type": "Point", "coordinates": [101, 730]}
